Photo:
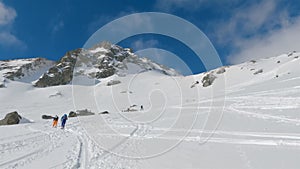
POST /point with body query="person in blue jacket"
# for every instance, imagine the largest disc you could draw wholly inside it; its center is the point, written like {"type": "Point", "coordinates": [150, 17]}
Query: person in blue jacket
{"type": "Point", "coordinates": [64, 119]}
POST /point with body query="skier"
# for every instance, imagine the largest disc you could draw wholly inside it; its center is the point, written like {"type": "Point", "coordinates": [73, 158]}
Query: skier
{"type": "Point", "coordinates": [142, 107]}
{"type": "Point", "coordinates": [55, 121]}
{"type": "Point", "coordinates": [64, 119]}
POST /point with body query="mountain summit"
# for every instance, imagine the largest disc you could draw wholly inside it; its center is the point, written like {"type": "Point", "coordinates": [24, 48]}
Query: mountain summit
{"type": "Point", "coordinates": [24, 70]}
{"type": "Point", "coordinates": [101, 61]}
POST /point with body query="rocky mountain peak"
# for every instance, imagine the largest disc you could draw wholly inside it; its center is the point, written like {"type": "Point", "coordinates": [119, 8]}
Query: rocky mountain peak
{"type": "Point", "coordinates": [100, 61]}
{"type": "Point", "coordinates": [25, 70]}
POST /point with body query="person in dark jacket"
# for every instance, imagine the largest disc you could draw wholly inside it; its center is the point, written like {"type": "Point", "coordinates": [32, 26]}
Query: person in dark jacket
{"type": "Point", "coordinates": [64, 119]}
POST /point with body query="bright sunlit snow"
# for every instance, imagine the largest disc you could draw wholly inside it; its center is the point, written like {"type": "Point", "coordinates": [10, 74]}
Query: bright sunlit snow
{"type": "Point", "coordinates": [259, 127]}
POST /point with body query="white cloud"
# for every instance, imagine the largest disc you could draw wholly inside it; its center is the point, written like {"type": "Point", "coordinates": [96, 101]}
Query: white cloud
{"type": "Point", "coordinates": [7, 17]}
{"type": "Point", "coordinates": [7, 14]}
{"type": "Point", "coordinates": [141, 44]}
{"type": "Point", "coordinates": [275, 43]}
{"type": "Point", "coordinates": [262, 29]}
{"type": "Point", "coordinates": [8, 39]}
{"type": "Point", "coordinates": [247, 20]}
{"type": "Point", "coordinates": [254, 17]}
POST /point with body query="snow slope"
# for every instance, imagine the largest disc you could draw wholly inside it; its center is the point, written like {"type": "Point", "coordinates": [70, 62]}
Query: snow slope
{"type": "Point", "coordinates": [251, 122]}
{"type": "Point", "coordinates": [25, 70]}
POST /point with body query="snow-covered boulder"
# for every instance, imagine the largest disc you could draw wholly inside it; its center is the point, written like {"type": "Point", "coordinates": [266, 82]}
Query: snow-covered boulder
{"type": "Point", "coordinates": [258, 72]}
{"type": "Point", "coordinates": [72, 114]}
{"type": "Point", "coordinates": [84, 112]}
{"type": "Point", "coordinates": [46, 117]}
{"type": "Point", "coordinates": [2, 83]}
{"type": "Point", "coordinates": [104, 112]}
{"type": "Point", "coordinates": [221, 70]}
{"type": "Point", "coordinates": [113, 82]}
{"type": "Point", "coordinates": [208, 79]}
{"type": "Point", "coordinates": [11, 118]}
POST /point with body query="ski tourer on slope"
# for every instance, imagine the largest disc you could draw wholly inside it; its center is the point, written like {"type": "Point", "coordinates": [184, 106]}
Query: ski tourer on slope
{"type": "Point", "coordinates": [55, 121]}
{"type": "Point", "coordinates": [64, 119]}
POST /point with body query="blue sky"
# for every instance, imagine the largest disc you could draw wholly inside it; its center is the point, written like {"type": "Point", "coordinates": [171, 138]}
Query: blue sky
{"type": "Point", "coordinates": [240, 30]}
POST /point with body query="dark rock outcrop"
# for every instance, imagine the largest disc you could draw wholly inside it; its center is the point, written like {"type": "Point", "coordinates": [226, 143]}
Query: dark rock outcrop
{"type": "Point", "coordinates": [46, 117]}
{"type": "Point", "coordinates": [258, 72]}
{"type": "Point", "coordinates": [208, 79]}
{"type": "Point", "coordinates": [84, 112]}
{"type": "Point", "coordinates": [104, 112]}
{"type": "Point", "coordinates": [100, 61]}
{"type": "Point", "coordinates": [17, 69]}
{"type": "Point", "coordinates": [72, 114]}
{"type": "Point", "coordinates": [113, 82]}
{"type": "Point", "coordinates": [61, 73]}
{"type": "Point", "coordinates": [221, 70]}
{"type": "Point", "coordinates": [11, 118]}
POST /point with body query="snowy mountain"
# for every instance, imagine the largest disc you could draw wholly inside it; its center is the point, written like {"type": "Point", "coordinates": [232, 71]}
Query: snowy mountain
{"type": "Point", "coordinates": [25, 70]}
{"type": "Point", "coordinates": [101, 61]}
{"type": "Point", "coordinates": [238, 117]}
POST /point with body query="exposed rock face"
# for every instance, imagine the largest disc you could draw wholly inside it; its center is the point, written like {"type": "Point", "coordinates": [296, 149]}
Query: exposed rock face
{"type": "Point", "coordinates": [11, 118]}
{"type": "Point", "coordinates": [221, 70]}
{"type": "Point", "coordinates": [101, 61]}
{"type": "Point", "coordinates": [2, 82]}
{"type": "Point", "coordinates": [84, 112]}
{"type": "Point", "coordinates": [72, 114]}
{"type": "Point", "coordinates": [61, 73]}
{"type": "Point", "coordinates": [258, 72]}
{"type": "Point", "coordinates": [208, 79]}
{"type": "Point", "coordinates": [104, 112]}
{"type": "Point", "coordinates": [113, 82]}
{"type": "Point", "coordinates": [20, 68]}
{"type": "Point", "coordinates": [47, 117]}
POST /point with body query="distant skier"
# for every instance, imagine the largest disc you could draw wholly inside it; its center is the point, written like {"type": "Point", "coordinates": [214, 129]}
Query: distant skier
{"type": "Point", "coordinates": [55, 121]}
{"type": "Point", "coordinates": [64, 119]}
{"type": "Point", "coordinates": [142, 107]}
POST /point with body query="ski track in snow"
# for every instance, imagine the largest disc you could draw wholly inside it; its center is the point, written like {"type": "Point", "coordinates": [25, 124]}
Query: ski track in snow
{"type": "Point", "coordinates": [109, 159]}
{"type": "Point", "coordinates": [85, 153]}
{"type": "Point", "coordinates": [259, 118]}
{"type": "Point", "coordinates": [38, 146]}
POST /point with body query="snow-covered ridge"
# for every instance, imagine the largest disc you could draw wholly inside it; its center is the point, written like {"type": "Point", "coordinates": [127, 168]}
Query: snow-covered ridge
{"type": "Point", "coordinates": [106, 59]}
{"type": "Point", "coordinates": [100, 61]}
{"type": "Point", "coordinates": [259, 127]}
{"type": "Point", "coordinates": [25, 70]}
{"type": "Point", "coordinates": [255, 71]}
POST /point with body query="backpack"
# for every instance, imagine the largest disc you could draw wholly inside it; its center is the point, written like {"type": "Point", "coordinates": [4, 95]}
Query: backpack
{"type": "Point", "coordinates": [65, 117]}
